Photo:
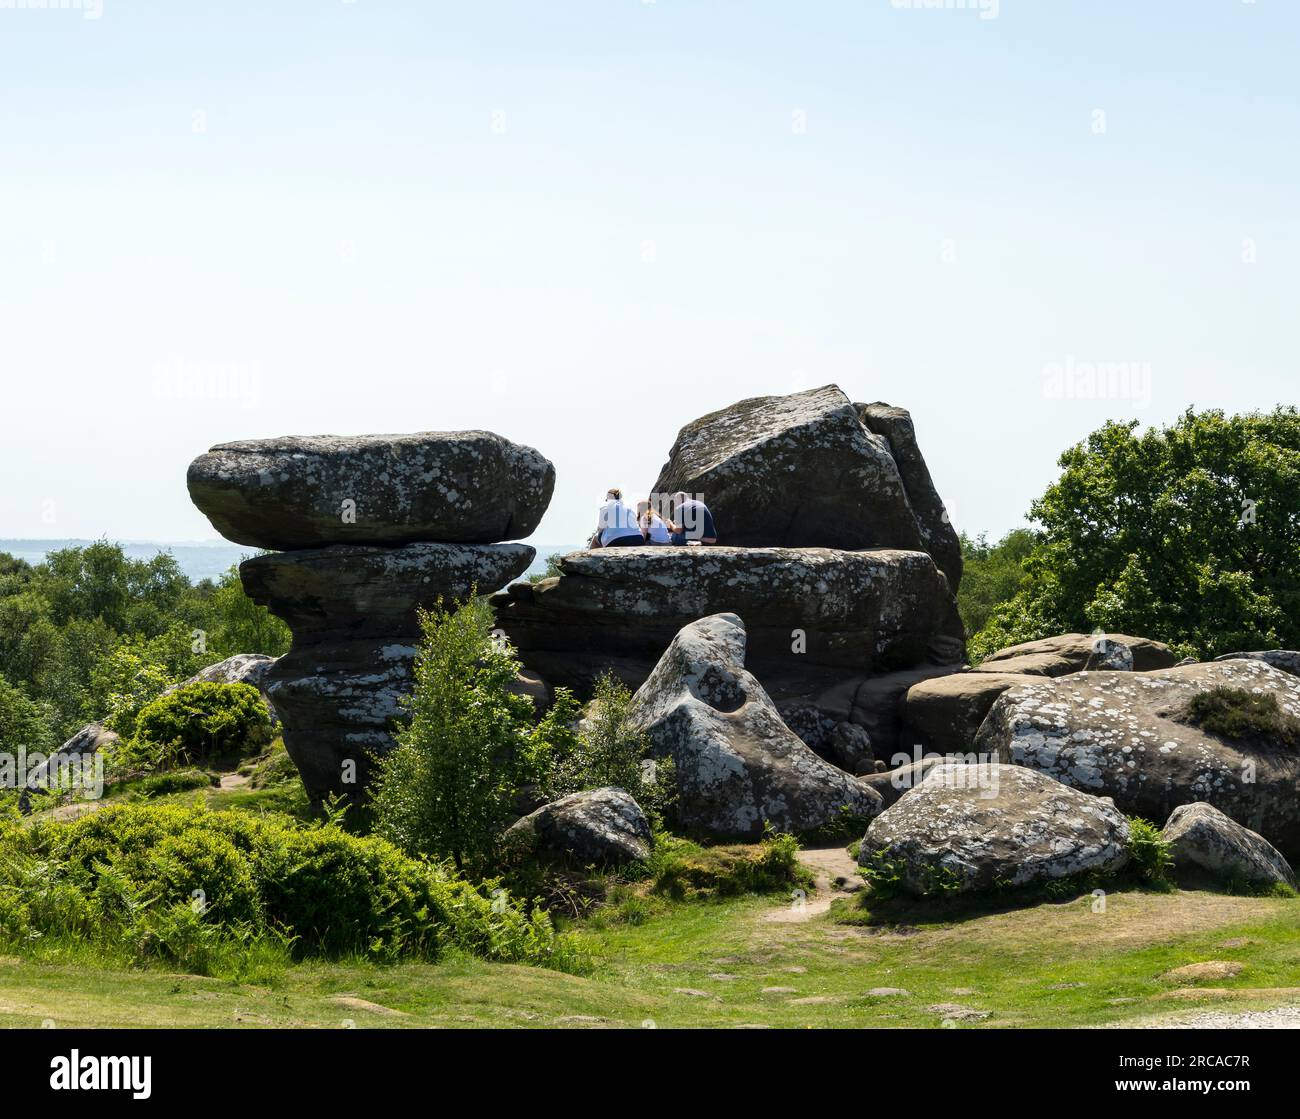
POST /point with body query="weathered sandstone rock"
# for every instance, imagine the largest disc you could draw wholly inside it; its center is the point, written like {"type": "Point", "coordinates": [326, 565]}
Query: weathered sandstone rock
{"type": "Point", "coordinates": [352, 609]}
{"type": "Point", "coordinates": [805, 470]}
{"type": "Point", "coordinates": [597, 826]}
{"type": "Point", "coordinates": [1072, 652]}
{"type": "Point", "coordinates": [738, 765]}
{"type": "Point", "coordinates": [944, 713]}
{"type": "Point", "coordinates": [851, 612]}
{"type": "Point", "coordinates": [1125, 735]}
{"type": "Point", "coordinates": [938, 537]}
{"type": "Point", "coordinates": [1203, 838]}
{"type": "Point", "coordinates": [470, 487]}
{"type": "Point", "coordinates": [970, 827]}
{"type": "Point", "coordinates": [1288, 660]}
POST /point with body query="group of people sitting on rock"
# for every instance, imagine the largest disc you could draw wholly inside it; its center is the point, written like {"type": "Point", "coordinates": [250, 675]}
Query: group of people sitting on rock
{"type": "Point", "coordinates": [621, 526]}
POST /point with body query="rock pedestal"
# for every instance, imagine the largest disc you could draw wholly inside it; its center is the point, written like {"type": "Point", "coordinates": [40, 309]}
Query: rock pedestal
{"type": "Point", "coordinates": [380, 526]}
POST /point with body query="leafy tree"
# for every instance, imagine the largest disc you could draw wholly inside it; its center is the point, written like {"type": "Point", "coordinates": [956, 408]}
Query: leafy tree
{"type": "Point", "coordinates": [23, 724]}
{"type": "Point", "coordinates": [1188, 533]}
{"type": "Point", "coordinates": [448, 787]}
{"type": "Point", "coordinates": [240, 625]}
{"type": "Point", "coordinates": [991, 574]}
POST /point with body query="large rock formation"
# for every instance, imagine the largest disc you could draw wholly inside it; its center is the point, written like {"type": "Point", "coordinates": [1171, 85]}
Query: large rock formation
{"type": "Point", "coordinates": [815, 610]}
{"type": "Point", "coordinates": [835, 550]}
{"type": "Point", "coordinates": [738, 765]}
{"type": "Point", "coordinates": [1127, 735]}
{"type": "Point", "coordinates": [428, 508]}
{"type": "Point", "coordinates": [468, 487]}
{"type": "Point", "coordinates": [970, 827]}
{"type": "Point", "coordinates": [813, 469]}
{"type": "Point", "coordinates": [1203, 839]}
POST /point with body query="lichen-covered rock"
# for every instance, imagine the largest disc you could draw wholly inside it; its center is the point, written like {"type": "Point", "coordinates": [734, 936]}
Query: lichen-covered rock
{"type": "Point", "coordinates": [1288, 660]}
{"type": "Point", "coordinates": [469, 487]}
{"type": "Point", "coordinates": [90, 739]}
{"type": "Point", "coordinates": [972, 827]}
{"type": "Point", "coordinates": [850, 612]}
{"type": "Point", "coordinates": [938, 537]}
{"type": "Point", "coordinates": [844, 743]}
{"type": "Point", "coordinates": [1073, 652]}
{"type": "Point", "coordinates": [597, 826]}
{"type": "Point", "coordinates": [1126, 735]}
{"type": "Point", "coordinates": [805, 470]}
{"type": "Point", "coordinates": [738, 765]}
{"type": "Point", "coordinates": [353, 612]}
{"type": "Point", "coordinates": [944, 713]}
{"type": "Point", "coordinates": [1201, 837]}
{"type": "Point", "coordinates": [354, 590]}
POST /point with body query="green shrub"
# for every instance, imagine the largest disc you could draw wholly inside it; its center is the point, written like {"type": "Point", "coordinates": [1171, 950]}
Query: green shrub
{"type": "Point", "coordinates": [124, 876]}
{"type": "Point", "coordinates": [1149, 857]}
{"type": "Point", "coordinates": [606, 749]}
{"type": "Point", "coordinates": [448, 789]}
{"type": "Point", "coordinates": [198, 723]}
{"type": "Point", "coordinates": [681, 868]}
{"type": "Point", "coordinates": [1237, 713]}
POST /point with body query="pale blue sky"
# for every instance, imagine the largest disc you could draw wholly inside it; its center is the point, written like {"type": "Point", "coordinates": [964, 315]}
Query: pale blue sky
{"type": "Point", "coordinates": [583, 224]}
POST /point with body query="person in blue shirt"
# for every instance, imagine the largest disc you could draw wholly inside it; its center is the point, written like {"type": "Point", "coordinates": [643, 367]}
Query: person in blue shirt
{"type": "Point", "coordinates": [616, 526]}
{"type": "Point", "coordinates": [691, 521]}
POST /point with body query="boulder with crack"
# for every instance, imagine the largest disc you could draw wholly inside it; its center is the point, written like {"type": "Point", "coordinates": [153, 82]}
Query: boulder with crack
{"type": "Point", "coordinates": [738, 766]}
{"type": "Point", "coordinates": [813, 469]}
{"type": "Point", "coordinates": [981, 826]}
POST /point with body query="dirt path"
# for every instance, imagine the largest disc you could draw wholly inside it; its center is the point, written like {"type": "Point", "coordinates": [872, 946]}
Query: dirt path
{"type": "Point", "coordinates": [833, 870]}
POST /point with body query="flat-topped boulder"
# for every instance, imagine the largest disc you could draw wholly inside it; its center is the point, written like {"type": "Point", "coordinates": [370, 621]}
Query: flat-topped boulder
{"type": "Point", "coordinates": [840, 612]}
{"type": "Point", "coordinates": [469, 487]}
{"type": "Point", "coordinates": [738, 766]}
{"type": "Point", "coordinates": [977, 827]}
{"type": "Point", "coordinates": [1129, 735]}
{"type": "Point", "coordinates": [1075, 652]}
{"type": "Point", "coordinates": [812, 469]}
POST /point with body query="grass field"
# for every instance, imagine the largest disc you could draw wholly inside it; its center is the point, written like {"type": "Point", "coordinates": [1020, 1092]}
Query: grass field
{"type": "Point", "coordinates": [741, 961]}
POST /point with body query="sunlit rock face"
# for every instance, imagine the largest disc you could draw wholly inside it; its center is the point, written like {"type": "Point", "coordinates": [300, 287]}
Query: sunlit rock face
{"type": "Point", "coordinates": [738, 766]}
{"type": "Point", "coordinates": [468, 487]}
{"type": "Point", "coordinates": [1127, 735]}
{"type": "Point", "coordinates": [977, 826]}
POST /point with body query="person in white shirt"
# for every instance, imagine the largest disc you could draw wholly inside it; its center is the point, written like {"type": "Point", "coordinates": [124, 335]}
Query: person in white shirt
{"type": "Point", "coordinates": [654, 529]}
{"type": "Point", "coordinates": [616, 526]}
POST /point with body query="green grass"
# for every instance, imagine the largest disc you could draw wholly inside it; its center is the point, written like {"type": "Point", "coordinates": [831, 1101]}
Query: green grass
{"type": "Point", "coordinates": [1052, 964]}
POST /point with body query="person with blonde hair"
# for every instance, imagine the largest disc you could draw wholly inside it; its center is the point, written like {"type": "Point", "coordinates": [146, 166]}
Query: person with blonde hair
{"type": "Point", "coordinates": [654, 529]}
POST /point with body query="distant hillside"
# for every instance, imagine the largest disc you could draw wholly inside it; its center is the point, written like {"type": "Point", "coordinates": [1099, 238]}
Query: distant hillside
{"type": "Point", "coordinates": [198, 560]}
